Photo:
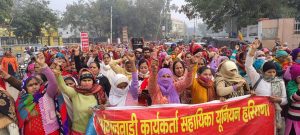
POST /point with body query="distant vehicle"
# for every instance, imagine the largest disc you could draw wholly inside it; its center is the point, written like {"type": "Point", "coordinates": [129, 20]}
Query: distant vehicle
{"type": "Point", "coordinates": [179, 41]}
{"type": "Point", "coordinates": [169, 43]}
{"type": "Point", "coordinates": [206, 39]}
{"type": "Point", "coordinates": [201, 43]}
{"type": "Point", "coordinates": [228, 42]}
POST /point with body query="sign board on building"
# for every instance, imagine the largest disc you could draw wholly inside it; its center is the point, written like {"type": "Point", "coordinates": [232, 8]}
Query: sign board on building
{"type": "Point", "coordinates": [269, 33]}
{"type": "Point", "coordinates": [125, 35]}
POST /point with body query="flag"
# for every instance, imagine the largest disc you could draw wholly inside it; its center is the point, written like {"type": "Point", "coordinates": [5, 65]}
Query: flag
{"type": "Point", "coordinates": [240, 36]}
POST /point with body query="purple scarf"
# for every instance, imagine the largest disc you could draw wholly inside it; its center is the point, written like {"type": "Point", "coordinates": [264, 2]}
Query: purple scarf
{"type": "Point", "coordinates": [166, 85]}
{"type": "Point", "coordinates": [295, 53]}
{"type": "Point", "coordinates": [216, 62]}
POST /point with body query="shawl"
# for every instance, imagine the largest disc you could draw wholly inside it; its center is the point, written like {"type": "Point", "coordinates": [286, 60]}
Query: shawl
{"type": "Point", "coordinates": [26, 103]}
{"type": "Point", "coordinates": [167, 86]}
{"type": "Point", "coordinates": [96, 89]}
{"type": "Point", "coordinates": [7, 106]}
{"type": "Point", "coordinates": [117, 96]}
{"type": "Point", "coordinates": [209, 86]}
{"type": "Point", "coordinates": [224, 73]}
{"type": "Point", "coordinates": [230, 79]}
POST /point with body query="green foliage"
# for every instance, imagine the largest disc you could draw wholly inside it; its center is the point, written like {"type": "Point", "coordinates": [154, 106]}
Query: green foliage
{"type": "Point", "coordinates": [30, 16]}
{"type": "Point", "coordinates": [142, 18]}
{"type": "Point", "coordinates": [296, 5]}
{"type": "Point", "coordinates": [5, 10]}
{"type": "Point", "coordinates": [216, 13]}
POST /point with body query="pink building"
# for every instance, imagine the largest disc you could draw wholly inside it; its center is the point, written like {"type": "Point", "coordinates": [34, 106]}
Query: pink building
{"type": "Point", "coordinates": [286, 30]}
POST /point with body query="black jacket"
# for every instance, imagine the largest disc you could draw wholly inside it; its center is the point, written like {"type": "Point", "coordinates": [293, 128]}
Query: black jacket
{"type": "Point", "coordinates": [104, 82]}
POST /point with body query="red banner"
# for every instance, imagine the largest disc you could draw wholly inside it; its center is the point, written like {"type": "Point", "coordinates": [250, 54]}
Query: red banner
{"type": "Point", "coordinates": [84, 41]}
{"type": "Point", "coordinates": [251, 115]}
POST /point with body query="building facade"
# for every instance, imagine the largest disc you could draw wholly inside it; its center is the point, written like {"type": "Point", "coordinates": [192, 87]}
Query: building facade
{"type": "Point", "coordinates": [285, 30]}
{"type": "Point", "coordinates": [178, 28]}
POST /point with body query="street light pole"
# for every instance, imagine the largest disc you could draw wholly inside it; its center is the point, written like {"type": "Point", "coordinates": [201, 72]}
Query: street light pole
{"type": "Point", "coordinates": [194, 27]}
{"type": "Point", "coordinates": [111, 24]}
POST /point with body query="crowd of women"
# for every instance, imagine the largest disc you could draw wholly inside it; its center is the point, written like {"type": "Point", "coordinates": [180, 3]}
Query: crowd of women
{"type": "Point", "coordinates": [62, 86]}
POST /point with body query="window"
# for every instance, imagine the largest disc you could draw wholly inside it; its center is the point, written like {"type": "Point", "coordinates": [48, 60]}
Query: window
{"type": "Point", "coordinates": [297, 27]}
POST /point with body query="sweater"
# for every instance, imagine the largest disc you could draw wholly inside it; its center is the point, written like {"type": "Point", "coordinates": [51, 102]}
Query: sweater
{"type": "Point", "coordinates": [186, 95]}
{"type": "Point", "coordinates": [132, 96]}
{"type": "Point", "coordinates": [45, 107]}
{"type": "Point", "coordinates": [81, 105]}
{"type": "Point", "coordinates": [294, 100]}
{"type": "Point", "coordinates": [263, 88]}
{"type": "Point", "coordinates": [199, 93]}
{"type": "Point", "coordinates": [155, 93]}
{"type": "Point", "coordinates": [12, 61]}
{"type": "Point", "coordinates": [104, 82]}
{"type": "Point", "coordinates": [46, 103]}
{"type": "Point", "coordinates": [101, 79]}
{"type": "Point", "coordinates": [78, 64]}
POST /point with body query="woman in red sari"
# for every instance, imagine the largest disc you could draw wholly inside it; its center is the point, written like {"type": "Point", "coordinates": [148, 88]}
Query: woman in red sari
{"type": "Point", "coordinates": [35, 105]}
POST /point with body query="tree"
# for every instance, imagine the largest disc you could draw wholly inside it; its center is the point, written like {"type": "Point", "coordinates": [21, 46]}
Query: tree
{"type": "Point", "coordinates": [151, 15]}
{"type": "Point", "coordinates": [296, 5]}
{"type": "Point", "coordinates": [216, 13]}
{"type": "Point", "coordinates": [174, 7]}
{"type": "Point", "coordinates": [203, 31]}
{"type": "Point", "coordinates": [76, 15]}
{"type": "Point", "coordinates": [94, 16]}
{"type": "Point", "coordinates": [99, 18]}
{"type": "Point", "coordinates": [142, 17]}
{"type": "Point", "coordinates": [31, 16]}
{"type": "Point", "coordinates": [5, 11]}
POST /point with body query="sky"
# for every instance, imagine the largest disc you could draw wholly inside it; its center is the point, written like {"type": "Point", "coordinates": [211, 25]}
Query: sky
{"type": "Point", "coordinates": [60, 5]}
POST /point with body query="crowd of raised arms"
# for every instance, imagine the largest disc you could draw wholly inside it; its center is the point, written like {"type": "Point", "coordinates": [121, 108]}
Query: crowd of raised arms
{"type": "Point", "coordinates": [62, 85]}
